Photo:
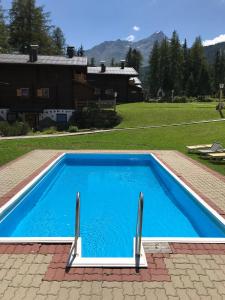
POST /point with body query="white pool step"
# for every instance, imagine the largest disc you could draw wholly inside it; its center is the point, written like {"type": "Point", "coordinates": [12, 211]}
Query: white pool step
{"type": "Point", "coordinates": [116, 262]}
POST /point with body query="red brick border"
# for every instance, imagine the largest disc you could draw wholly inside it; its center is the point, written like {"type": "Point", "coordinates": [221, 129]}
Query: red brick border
{"type": "Point", "coordinates": [156, 271]}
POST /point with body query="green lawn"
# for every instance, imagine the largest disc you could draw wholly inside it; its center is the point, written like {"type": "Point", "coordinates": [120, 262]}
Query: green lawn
{"type": "Point", "coordinates": [141, 114]}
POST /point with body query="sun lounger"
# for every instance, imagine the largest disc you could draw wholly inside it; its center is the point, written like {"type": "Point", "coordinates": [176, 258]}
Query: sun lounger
{"type": "Point", "coordinates": [217, 156]}
{"type": "Point", "coordinates": [216, 147]}
{"type": "Point", "coordinates": [195, 148]}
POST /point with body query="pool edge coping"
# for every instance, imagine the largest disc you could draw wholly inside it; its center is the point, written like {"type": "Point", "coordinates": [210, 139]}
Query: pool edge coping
{"type": "Point", "coordinates": [183, 182]}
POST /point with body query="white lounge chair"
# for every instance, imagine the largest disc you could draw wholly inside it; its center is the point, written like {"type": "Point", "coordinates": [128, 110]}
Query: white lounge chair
{"type": "Point", "coordinates": [195, 148]}
{"type": "Point", "coordinates": [216, 147]}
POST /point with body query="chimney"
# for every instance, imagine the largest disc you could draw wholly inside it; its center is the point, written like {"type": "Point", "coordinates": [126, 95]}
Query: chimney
{"type": "Point", "coordinates": [103, 67]}
{"type": "Point", "coordinates": [122, 64]}
{"type": "Point", "coordinates": [33, 53]}
{"type": "Point", "coordinates": [70, 51]}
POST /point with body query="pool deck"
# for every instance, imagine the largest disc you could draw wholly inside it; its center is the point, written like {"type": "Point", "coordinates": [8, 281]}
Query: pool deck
{"type": "Point", "coordinates": [176, 271]}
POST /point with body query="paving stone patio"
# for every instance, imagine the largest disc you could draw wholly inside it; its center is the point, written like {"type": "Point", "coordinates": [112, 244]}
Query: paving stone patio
{"type": "Point", "coordinates": [184, 271]}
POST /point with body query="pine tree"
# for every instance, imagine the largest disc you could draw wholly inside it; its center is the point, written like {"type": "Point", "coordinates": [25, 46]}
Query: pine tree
{"type": "Point", "coordinates": [29, 24]}
{"type": "Point", "coordinates": [164, 70]}
{"type": "Point", "coordinates": [154, 65]}
{"type": "Point", "coordinates": [185, 66]}
{"type": "Point", "coordinates": [58, 42]}
{"type": "Point", "coordinates": [176, 62]}
{"type": "Point", "coordinates": [92, 64]}
{"type": "Point", "coordinates": [134, 59]}
{"type": "Point", "coordinates": [129, 58]}
{"type": "Point", "coordinates": [190, 85]}
{"type": "Point", "coordinates": [219, 70]}
{"type": "Point", "coordinates": [80, 51]}
{"type": "Point", "coordinates": [199, 68]}
{"type": "Point", "coordinates": [4, 34]}
{"type": "Point", "coordinates": [112, 64]}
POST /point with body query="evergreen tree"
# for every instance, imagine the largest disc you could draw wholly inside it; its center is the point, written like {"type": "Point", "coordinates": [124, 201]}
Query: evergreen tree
{"type": "Point", "coordinates": [112, 64]}
{"type": "Point", "coordinates": [58, 42]}
{"type": "Point", "coordinates": [185, 66]}
{"type": "Point", "coordinates": [4, 34]}
{"type": "Point", "coordinates": [190, 85]}
{"type": "Point", "coordinates": [29, 24]}
{"type": "Point", "coordinates": [199, 68]}
{"type": "Point", "coordinates": [80, 51]}
{"type": "Point", "coordinates": [164, 70]}
{"type": "Point", "coordinates": [92, 64]}
{"type": "Point", "coordinates": [154, 65]}
{"type": "Point", "coordinates": [176, 63]}
{"type": "Point", "coordinates": [134, 59]}
{"type": "Point", "coordinates": [129, 58]}
{"type": "Point", "coordinates": [205, 87]}
{"type": "Point", "coordinates": [219, 70]}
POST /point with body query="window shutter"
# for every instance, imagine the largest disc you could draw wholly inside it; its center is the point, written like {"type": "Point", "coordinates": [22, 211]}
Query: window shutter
{"type": "Point", "coordinates": [39, 92]}
{"type": "Point", "coordinates": [18, 93]}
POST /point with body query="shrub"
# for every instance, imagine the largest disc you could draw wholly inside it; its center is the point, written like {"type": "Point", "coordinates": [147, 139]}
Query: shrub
{"type": "Point", "coordinates": [72, 128]}
{"type": "Point", "coordinates": [205, 99]}
{"type": "Point", "coordinates": [96, 118]}
{"type": "Point", "coordinates": [14, 129]}
{"type": "Point", "coordinates": [182, 99]}
{"type": "Point", "coordinates": [46, 123]}
{"type": "Point", "coordinates": [50, 130]}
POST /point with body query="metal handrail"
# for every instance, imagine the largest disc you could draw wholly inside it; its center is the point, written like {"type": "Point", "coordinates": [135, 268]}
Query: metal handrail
{"type": "Point", "coordinates": [73, 250]}
{"type": "Point", "coordinates": [139, 225]}
{"type": "Point", "coordinates": [77, 222]}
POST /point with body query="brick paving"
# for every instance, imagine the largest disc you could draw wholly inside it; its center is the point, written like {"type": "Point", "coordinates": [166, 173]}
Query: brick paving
{"type": "Point", "coordinates": [190, 271]}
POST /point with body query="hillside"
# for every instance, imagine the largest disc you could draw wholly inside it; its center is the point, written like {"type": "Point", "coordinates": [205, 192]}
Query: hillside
{"type": "Point", "coordinates": [118, 49]}
{"type": "Point", "coordinates": [210, 51]}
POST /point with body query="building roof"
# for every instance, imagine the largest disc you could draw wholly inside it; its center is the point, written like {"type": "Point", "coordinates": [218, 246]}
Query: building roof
{"type": "Point", "coordinates": [43, 60]}
{"type": "Point", "coordinates": [136, 80]}
{"type": "Point", "coordinates": [113, 71]}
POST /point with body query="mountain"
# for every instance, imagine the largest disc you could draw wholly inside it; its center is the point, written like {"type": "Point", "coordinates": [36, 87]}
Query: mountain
{"type": "Point", "coordinates": [118, 49]}
{"type": "Point", "coordinates": [210, 51]}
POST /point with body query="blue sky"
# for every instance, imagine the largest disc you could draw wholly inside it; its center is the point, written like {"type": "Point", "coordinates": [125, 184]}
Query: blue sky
{"type": "Point", "coordinates": [92, 21]}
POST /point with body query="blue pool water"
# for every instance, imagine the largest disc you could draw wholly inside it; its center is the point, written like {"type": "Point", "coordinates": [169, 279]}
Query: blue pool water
{"type": "Point", "coordinates": [109, 185]}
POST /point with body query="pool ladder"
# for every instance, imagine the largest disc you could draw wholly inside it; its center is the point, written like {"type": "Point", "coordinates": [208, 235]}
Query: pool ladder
{"type": "Point", "coordinates": [139, 230]}
{"type": "Point", "coordinates": [73, 251]}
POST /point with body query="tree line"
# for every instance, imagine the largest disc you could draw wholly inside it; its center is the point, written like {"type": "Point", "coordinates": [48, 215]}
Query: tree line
{"type": "Point", "coordinates": [26, 24]}
{"type": "Point", "coordinates": [175, 69]}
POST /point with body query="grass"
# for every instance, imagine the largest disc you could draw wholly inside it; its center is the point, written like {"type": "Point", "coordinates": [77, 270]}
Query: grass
{"type": "Point", "coordinates": [144, 114]}
{"type": "Point", "coordinates": [141, 114]}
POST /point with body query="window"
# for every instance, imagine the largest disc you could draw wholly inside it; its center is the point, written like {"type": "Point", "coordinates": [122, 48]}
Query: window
{"type": "Point", "coordinates": [97, 91]}
{"type": "Point", "coordinates": [109, 92]}
{"type": "Point", "coordinates": [23, 92]}
{"type": "Point", "coordinates": [43, 93]}
{"type": "Point", "coordinates": [61, 118]}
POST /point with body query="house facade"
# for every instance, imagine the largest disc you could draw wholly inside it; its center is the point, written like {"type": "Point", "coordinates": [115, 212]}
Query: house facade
{"type": "Point", "coordinates": [119, 82]}
{"type": "Point", "coordinates": [35, 87]}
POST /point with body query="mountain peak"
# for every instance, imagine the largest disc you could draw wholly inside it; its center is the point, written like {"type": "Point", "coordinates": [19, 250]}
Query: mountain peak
{"type": "Point", "coordinates": [118, 49]}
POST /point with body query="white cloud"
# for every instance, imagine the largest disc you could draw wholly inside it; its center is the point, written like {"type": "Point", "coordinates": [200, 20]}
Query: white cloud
{"type": "Point", "coordinates": [216, 40]}
{"type": "Point", "coordinates": [136, 28]}
{"type": "Point", "coordinates": [130, 38]}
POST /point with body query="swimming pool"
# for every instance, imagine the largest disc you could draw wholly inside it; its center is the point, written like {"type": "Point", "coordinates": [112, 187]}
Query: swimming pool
{"type": "Point", "coordinates": [109, 185]}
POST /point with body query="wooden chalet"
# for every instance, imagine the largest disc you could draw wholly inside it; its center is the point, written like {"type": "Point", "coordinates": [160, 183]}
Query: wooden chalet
{"type": "Point", "coordinates": [121, 83]}
{"type": "Point", "coordinates": [34, 87]}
